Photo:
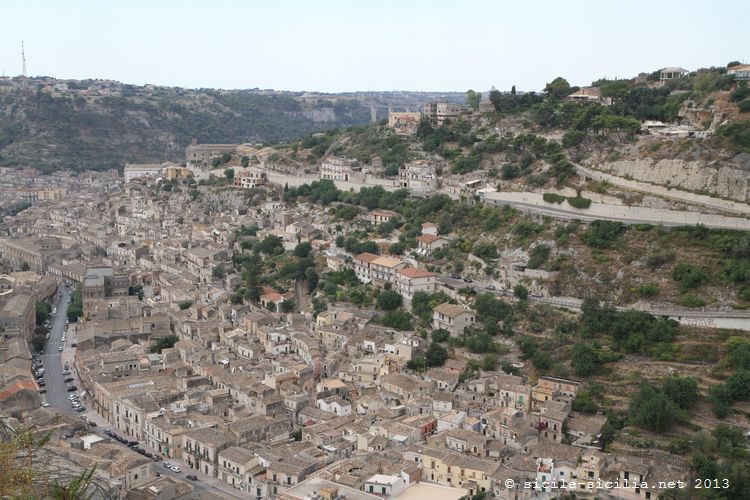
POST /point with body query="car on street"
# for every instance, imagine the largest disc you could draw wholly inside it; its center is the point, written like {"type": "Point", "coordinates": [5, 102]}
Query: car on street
{"type": "Point", "coordinates": [42, 391]}
{"type": "Point", "coordinates": [74, 344]}
{"type": "Point", "coordinates": [81, 408]}
{"type": "Point", "coordinates": [455, 276]}
{"type": "Point", "coordinates": [176, 469]}
{"type": "Point", "coordinates": [45, 404]}
{"type": "Point", "coordinates": [468, 280]}
{"type": "Point", "coordinates": [490, 287]}
{"type": "Point", "coordinates": [72, 388]}
{"type": "Point", "coordinates": [167, 465]}
{"type": "Point", "coordinates": [192, 477]}
{"type": "Point", "coordinates": [60, 349]}
{"type": "Point", "coordinates": [69, 379]}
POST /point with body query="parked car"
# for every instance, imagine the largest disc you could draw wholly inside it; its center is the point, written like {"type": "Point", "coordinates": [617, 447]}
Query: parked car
{"type": "Point", "coordinates": [74, 344]}
{"type": "Point", "coordinates": [468, 280]}
{"type": "Point", "coordinates": [69, 379]}
{"type": "Point", "coordinates": [72, 388]}
{"type": "Point", "coordinates": [192, 477]}
{"type": "Point", "coordinates": [60, 349]}
{"type": "Point", "coordinates": [167, 465]}
{"type": "Point", "coordinates": [92, 423]}
{"type": "Point", "coordinates": [45, 404]}
{"type": "Point", "coordinates": [42, 391]}
{"type": "Point", "coordinates": [175, 468]}
{"type": "Point", "coordinates": [490, 287]}
{"type": "Point", "coordinates": [81, 408]}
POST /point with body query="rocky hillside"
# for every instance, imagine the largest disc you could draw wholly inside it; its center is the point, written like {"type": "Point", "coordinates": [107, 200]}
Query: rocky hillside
{"type": "Point", "coordinates": [50, 124]}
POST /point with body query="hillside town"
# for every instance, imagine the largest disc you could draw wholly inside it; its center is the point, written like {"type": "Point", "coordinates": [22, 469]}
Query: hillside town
{"type": "Point", "coordinates": [251, 322]}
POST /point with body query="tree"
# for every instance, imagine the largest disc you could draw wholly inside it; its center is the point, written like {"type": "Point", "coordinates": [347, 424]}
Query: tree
{"type": "Point", "coordinates": [312, 279]}
{"type": "Point", "coordinates": [303, 249]}
{"type": "Point", "coordinates": [558, 88]}
{"type": "Point", "coordinates": [473, 99]}
{"type": "Point", "coordinates": [271, 245]}
{"type": "Point", "coordinates": [396, 248]}
{"type": "Point", "coordinates": [436, 355]}
{"type": "Point", "coordinates": [229, 173]}
{"type": "Point", "coordinates": [521, 292]}
{"type": "Point", "coordinates": [616, 89]}
{"type": "Point", "coordinates": [584, 359]}
{"type": "Point", "coordinates": [245, 161]}
{"type": "Point", "coordinates": [440, 335]}
{"type": "Point", "coordinates": [287, 306]}
{"type": "Point", "coordinates": [251, 277]}
{"type": "Point", "coordinates": [652, 409]}
{"type": "Point", "coordinates": [682, 391]}
{"type": "Point", "coordinates": [489, 362]}
{"type": "Point", "coordinates": [164, 343]}
{"type": "Point", "coordinates": [424, 128]}
{"type": "Point", "coordinates": [185, 304]}
{"type": "Point", "coordinates": [388, 300]}
{"type": "Point", "coordinates": [43, 310]}
{"type": "Point", "coordinates": [218, 273]}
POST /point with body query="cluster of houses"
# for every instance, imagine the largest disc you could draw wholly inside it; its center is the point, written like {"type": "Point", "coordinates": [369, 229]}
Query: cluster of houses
{"type": "Point", "coordinates": [266, 402]}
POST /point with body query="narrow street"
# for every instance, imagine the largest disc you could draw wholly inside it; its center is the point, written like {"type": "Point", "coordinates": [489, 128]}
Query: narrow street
{"type": "Point", "coordinates": [52, 359]}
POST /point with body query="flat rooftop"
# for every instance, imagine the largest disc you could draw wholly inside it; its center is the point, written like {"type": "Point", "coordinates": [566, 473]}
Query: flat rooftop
{"type": "Point", "coordinates": [303, 490]}
{"type": "Point", "coordinates": [420, 491]}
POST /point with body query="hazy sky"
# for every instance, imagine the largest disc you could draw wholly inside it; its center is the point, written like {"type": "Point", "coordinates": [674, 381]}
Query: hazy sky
{"type": "Point", "coordinates": [367, 45]}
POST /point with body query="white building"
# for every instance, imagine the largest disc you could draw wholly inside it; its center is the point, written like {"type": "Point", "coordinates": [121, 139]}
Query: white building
{"type": "Point", "coordinates": [411, 280]}
{"type": "Point", "coordinates": [418, 177]}
{"type": "Point", "coordinates": [136, 170]}
{"type": "Point", "coordinates": [339, 169]}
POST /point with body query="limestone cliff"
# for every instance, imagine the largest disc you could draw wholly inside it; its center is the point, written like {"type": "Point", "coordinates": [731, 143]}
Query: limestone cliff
{"type": "Point", "coordinates": [727, 179]}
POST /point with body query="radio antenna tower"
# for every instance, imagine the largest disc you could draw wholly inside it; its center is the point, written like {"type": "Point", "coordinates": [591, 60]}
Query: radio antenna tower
{"type": "Point", "coordinates": [23, 59]}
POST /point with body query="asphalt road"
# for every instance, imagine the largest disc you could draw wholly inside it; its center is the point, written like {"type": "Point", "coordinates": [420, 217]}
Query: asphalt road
{"type": "Point", "coordinates": [57, 394]}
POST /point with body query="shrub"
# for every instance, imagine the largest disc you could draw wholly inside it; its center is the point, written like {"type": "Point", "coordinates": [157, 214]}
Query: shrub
{"type": "Point", "coordinates": [521, 292]}
{"type": "Point", "coordinates": [658, 259]}
{"type": "Point", "coordinates": [398, 319]}
{"type": "Point", "coordinates": [579, 202]}
{"type": "Point", "coordinates": [602, 233]}
{"type": "Point", "coordinates": [647, 290]}
{"type": "Point", "coordinates": [440, 335]}
{"type": "Point", "coordinates": [388, 300]}
{"type": "Point", "coordinates": [689, 275]}
{"type": "Point", "coordinates": [553, 198]}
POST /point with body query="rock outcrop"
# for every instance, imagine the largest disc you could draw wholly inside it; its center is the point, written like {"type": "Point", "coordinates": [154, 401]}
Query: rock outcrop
{"type": "Point", "coordinates": [729, 179]}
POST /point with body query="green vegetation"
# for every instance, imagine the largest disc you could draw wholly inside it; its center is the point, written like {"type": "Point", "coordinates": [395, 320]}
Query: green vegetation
{"type": "Point", "coordinates": [388, 300]}
{"type": "Point", "coordinates": [96, 133]}
{"type": "Point", "coordinates": [602, 233]}
{"type": "Point", "coordinates": [185, 304]}
{"type": "Point", "coordinates": [164, 343]}
{"type": "Point", "coordinates": [658, 408]}
{"type": "Point", "coordinates": [737, 386]}
{"type": "Point", "coordinates": [75, 306]}
{"type": "Point", "coordinates": [579, 201]}
{"type": "Point", "coordinates": [553, 198]}
{"type": "Point", "coordinates": [631, 331]}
